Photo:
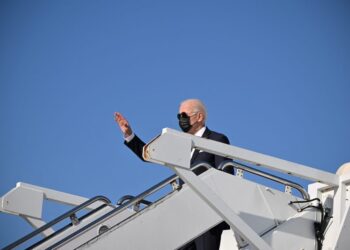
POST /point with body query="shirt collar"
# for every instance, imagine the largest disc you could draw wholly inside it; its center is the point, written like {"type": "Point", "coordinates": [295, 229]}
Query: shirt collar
{"type": "Point", "coordinates": [200, 132]}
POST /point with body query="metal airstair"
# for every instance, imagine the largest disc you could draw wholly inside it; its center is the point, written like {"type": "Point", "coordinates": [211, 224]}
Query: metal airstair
{"type": "Point", "coordinates": [260, 217]}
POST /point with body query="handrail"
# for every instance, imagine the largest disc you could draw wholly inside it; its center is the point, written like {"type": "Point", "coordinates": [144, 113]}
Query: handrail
{"type": "Point", "coordinates": [56, 220]}
{"type": "Point", "coordinates": [197, 169]}
{"type": "Point", "coordinates": [38, 243]}
{"type": "Point", "coordinates": [129, 197]}
{"type": "Point", "coordinates": [129, 203]}
{"type": "Point", "coordinates": [227, 167]}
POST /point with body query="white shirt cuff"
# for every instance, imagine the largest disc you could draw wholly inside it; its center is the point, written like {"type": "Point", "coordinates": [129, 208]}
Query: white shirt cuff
{"type": "Point", "coordinates": [129, 138]}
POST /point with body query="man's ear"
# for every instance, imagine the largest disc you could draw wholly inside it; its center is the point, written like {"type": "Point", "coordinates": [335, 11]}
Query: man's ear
{"type": "Point", "coordinates": [201, 117]}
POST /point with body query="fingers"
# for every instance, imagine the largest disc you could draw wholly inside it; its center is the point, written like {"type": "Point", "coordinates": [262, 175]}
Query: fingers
{"type": "Point", "coordinates": [119, 118]}
{"type": "Point", "coordinates": [123, 124]}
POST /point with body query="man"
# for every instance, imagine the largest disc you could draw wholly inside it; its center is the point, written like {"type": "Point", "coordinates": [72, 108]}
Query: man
{"type": "Point", "coordinates": [192, 119]}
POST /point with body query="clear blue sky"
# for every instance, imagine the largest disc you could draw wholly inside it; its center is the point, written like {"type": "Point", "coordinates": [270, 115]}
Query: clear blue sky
{"type": "Point", "coordinates": [275, 76]}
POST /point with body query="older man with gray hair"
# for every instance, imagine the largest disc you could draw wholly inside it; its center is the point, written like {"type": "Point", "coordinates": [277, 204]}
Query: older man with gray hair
{"type": "Point", "coordinates": [192, 119]}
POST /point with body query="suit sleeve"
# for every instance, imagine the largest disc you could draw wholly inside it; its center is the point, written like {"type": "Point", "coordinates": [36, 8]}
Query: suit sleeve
{"type": "Point", "coordinates": [136, 145]}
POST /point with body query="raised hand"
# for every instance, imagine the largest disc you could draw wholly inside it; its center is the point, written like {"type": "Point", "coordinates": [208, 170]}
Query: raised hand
{"type": "Point", "coordinates": [123, 124]}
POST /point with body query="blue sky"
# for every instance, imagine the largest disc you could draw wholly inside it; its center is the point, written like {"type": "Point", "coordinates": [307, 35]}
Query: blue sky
{"type": "Point", "coordinates": [275, 76]}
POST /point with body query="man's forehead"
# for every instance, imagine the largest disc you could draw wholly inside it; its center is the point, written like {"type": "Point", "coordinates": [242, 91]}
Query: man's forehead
{"type": "Point", "coordinates": [186, 106]}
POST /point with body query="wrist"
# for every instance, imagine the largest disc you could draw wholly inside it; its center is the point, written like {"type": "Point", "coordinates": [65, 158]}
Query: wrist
{"type": "Point", "coordinates": [129, 137]}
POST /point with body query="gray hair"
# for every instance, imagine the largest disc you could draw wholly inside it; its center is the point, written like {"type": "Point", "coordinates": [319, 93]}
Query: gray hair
{"type": "Point", "coordinates": [198, 106]}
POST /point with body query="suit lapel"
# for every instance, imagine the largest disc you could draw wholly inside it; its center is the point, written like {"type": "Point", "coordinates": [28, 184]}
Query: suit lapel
{"type": "Point", "coordinates": [206, 133]}
{"type": "Point", "coordinates": [196, 152]}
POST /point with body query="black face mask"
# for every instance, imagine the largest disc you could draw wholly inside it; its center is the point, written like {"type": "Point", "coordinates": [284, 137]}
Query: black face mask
{"type": "Point", "coordinates": [184, 122]}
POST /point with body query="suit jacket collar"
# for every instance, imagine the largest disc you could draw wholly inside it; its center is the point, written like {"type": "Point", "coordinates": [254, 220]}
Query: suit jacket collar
{"type": "Point", "coordinates": [206, 134]}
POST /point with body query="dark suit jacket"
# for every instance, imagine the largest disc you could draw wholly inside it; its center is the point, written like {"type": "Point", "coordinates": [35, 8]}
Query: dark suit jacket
{"type": "Point", "coordinates": [211, 239]}
{"type": "Point", "coordinates": [213, 160]}
{"type": "Point", "coordinates": [136, 145]}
